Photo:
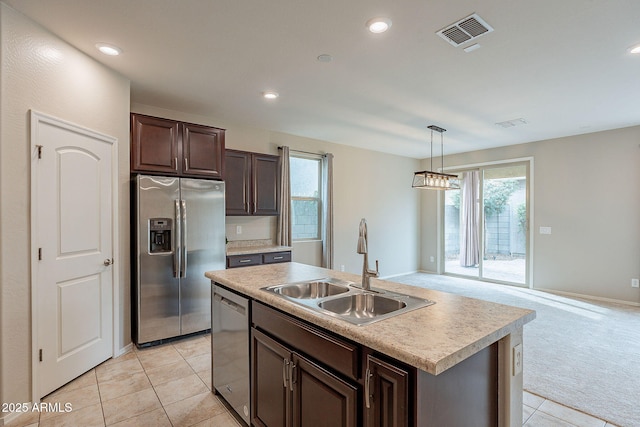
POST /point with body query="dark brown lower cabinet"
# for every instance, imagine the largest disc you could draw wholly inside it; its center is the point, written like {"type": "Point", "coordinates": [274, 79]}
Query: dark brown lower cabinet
{"type": "Point", "coordinates": [305, 376]}
{"type": "Point", "coordinates": [290, 390]}
{"type": "Point", "coordinates": [386, 394]}
{"type": "Point", "coordinates": [270, 394]}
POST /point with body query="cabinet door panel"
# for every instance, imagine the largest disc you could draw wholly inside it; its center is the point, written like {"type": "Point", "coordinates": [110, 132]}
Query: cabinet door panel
{"type": "Point", "coordinates": [321, 399]}
{"type": "Point", "coordinates": [203, 148]}
{"type": "Point", "coordinates": [388, 395]}
{"type": "Point", "coordinates": [270, 398]}
{"type": "Point", "coordinates": [154, 145]}
{"type": "Point", "coordinates": [266, 184]}
{"type": "Point", "coordinates": [237, 182]}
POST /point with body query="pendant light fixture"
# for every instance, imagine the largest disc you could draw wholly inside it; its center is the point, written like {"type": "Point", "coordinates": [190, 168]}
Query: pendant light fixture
{"type": "Point", "coordinates": [430, 180]}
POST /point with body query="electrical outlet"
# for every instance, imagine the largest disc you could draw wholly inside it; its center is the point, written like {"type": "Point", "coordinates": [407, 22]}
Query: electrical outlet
{"type": "Point", "coordinates": [432, 258]}
{"type": "Point", "coordinates": [517, 359]}
{"type": "Point", "coordinates": [238, 229]}
{"type": "Point", "coordinates": [342, 267]}
{"type": "Point", "coordinates": [635, 283]}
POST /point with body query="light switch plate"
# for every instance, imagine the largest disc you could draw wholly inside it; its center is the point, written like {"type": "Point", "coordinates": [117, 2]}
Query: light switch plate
{"type": "Point", "coordinates": [545, 230]}
{"type": "Point", "coordinates": [517, 359]}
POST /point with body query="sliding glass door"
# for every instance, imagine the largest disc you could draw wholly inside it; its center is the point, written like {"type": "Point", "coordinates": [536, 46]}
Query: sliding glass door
{"type": "Point", "coordinates": [486, 224]}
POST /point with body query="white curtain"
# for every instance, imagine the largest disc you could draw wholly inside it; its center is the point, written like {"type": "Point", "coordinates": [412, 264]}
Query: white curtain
{"type": "Point", "coordinates": [327, 211]}
{"type": "Point", "coordinates": [469, 243]}
{"type": "Point", "coordinates": [283, 233]}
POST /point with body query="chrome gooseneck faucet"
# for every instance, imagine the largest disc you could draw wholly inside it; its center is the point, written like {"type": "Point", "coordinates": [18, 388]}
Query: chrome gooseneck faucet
{"type": "Point", "coordinates": [362, 249]}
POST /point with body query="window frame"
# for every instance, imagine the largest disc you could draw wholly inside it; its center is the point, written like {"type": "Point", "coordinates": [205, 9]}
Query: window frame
{"type": "Point", "coordinates": [319, 199]}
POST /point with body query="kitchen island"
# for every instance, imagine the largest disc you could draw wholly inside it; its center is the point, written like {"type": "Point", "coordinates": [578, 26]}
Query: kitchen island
{"type": "Point", "coordinates": [450, 346]}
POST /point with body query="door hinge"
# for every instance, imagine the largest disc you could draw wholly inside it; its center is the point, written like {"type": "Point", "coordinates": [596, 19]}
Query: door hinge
{"type": "Point", "coordinates": [40, 256]}
{"type": "Point", "coordinates": [40, 355]}
{"type": "Point", "coordinates": [39, 147]}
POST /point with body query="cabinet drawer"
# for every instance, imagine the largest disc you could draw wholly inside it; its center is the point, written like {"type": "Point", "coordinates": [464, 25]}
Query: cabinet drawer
{"type": "Point", "coordinates": [337, 354]}
{"type": "Point", "coordinates": [274, 257]}
{"type": "Point", "coordinates": [243, 260]}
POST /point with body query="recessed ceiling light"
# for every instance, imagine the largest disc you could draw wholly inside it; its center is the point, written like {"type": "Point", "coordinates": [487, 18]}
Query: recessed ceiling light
{"type": "Point", "coordinates": [511, 123]}
{"type": "Point", "coordinates": [378, 25]}
{"type": "Point", "coordinates": [270, 94]}
{"type": "Point", "coordinates": [109, 49]}
{"type": "Point", "coordinates": [325, 58]}
{"type": "Point", "coordinates": [634, 49]}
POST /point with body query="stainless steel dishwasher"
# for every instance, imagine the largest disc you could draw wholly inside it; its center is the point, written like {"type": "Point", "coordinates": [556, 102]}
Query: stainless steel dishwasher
{"type": "Point", "coordinates": [230, 349]}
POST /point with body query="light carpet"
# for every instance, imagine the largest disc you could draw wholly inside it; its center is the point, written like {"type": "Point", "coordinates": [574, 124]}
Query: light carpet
{"type": "Point", "coordinates": [581, 353]}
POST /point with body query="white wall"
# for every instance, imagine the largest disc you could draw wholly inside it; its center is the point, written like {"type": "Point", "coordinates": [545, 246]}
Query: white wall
{"type": "Point", "coordinates": [586, 190]}
{"type": "Point", "coordinates": [41, 72]}
{"type": "Point", "coordinates": [367, 184]}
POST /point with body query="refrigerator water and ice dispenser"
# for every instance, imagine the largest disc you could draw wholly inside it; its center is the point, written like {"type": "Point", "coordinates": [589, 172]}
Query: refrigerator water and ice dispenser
{"type": "Point", "coordinates": [160, 235]}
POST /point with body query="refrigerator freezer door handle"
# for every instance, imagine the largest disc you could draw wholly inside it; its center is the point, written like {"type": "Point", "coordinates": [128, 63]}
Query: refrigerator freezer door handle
{"type": "Point", "coordinates": [184, 239]}
{"type": "Point", "coordinates": [178, 238]}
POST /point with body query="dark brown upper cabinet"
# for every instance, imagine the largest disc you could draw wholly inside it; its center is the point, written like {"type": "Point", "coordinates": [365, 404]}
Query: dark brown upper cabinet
{"type": "Point", "coordinates": [252, 183]}
{"type": "Point", "coordinates": [169, 147]}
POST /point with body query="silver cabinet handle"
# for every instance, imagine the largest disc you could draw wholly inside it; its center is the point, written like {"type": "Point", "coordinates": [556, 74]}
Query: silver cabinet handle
{"type": "Point", "coordinates": [176, 163]}
{"type": "Point", "coordinates": [278, 257]}
{"type": "Point", "coordinates": [184, 238]}
{"type": "Point", "coordinates": [108, 262]}
{"type": "Point", "coordinates": [245, 260]}
{"type": "Point", "coordinates": [285, 373]}
{"type": "Point", "coordinates": [367, 388]}
{"type": "Point", "coordinates": [177, 253]}
{"type": "Point", "coordinates": [292, 375]}
{"type": "Point", "coordinates": [186, 164]}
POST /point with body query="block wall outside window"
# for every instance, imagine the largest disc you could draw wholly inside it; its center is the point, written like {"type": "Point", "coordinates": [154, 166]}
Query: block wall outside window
{"type": "Point", "coordinates": [306, 203]}
{"type": "Point", "coordinates": [305, 215]}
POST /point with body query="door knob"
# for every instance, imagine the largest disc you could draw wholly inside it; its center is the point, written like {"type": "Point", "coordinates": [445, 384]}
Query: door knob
{"type": "Point", "coordinates": [108, 262]}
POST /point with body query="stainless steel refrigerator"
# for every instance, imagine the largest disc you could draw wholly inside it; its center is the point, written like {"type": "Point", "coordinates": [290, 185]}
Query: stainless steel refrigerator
{"type": "Point", "coordinates": [180, 234]}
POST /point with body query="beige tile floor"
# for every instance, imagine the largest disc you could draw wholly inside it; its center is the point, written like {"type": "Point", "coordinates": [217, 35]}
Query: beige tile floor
{"type": "Point", "coordinates": [170, 385]}
{"type": "Point", "coordinates": [540, 412]}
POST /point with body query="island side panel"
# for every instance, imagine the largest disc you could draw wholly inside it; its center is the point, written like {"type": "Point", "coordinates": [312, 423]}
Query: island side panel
{"type": "Point", "coordinates": [463, 395]}
{"type": "Point", "coordinates": [510, 380]}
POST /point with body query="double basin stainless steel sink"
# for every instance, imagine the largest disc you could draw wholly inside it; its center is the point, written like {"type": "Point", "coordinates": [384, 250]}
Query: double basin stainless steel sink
{"type": "Point", "coordinates": [341, 299]}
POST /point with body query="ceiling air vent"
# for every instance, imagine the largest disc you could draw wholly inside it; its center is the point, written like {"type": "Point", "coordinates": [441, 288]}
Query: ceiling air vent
{"type": "Point", "coordinates": [464, 30]}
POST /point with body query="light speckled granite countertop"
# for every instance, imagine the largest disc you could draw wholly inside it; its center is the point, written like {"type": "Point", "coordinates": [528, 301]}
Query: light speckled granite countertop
{"type": "Point", "coordinates": [433, 338]}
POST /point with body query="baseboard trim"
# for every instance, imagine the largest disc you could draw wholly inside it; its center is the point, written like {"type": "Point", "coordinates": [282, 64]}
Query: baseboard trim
{"type": "Point", "coordinates": [551, 291]}
{"type": "Point", "coordinates": [124, 350]}
{"type": "Point", "coordinates": [589, 297]}
{"type": "Point", "coordinates": [398, 275]}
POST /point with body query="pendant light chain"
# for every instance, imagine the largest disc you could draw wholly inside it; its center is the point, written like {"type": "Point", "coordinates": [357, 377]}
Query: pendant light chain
{"type": "Point", "coordinates": [431, 155]}
{"type": "Point", "coordinates": [441, 152]}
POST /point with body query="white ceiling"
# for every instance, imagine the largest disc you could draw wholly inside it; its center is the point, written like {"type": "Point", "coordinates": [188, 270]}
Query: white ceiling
{"type": "Point", "coordinates": [562, 65]}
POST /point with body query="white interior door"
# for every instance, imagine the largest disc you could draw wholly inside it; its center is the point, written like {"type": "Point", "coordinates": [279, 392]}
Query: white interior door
{"type": "Point", "coordinates": [72, 237]}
